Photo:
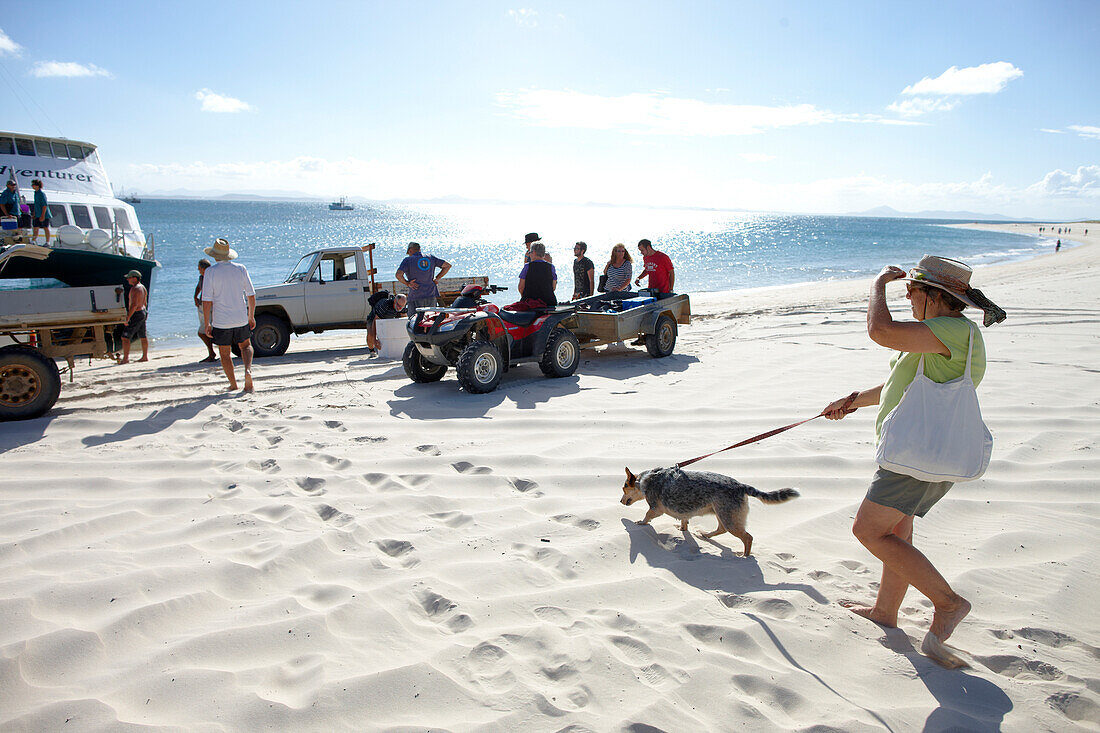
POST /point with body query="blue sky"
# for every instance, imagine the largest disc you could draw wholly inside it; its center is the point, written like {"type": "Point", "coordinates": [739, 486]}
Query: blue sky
{"type": "Point", "coordinates": [791, 106]}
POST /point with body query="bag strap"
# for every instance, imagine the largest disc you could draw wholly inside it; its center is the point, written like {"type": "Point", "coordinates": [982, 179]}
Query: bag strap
{"type": "Point", "coordinates": [969, 352]}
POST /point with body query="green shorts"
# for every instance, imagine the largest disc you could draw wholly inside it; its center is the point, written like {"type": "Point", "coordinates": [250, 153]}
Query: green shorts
{"type": "Point", "coordinates": [908, 495]}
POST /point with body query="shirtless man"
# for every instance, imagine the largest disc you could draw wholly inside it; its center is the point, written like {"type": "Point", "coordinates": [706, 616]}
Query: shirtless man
{"type": "Point", "coordinates": [135, 318]}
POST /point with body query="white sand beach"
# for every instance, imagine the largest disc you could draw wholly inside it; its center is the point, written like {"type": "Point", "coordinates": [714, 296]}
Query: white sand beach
{"type": "Point", "coordinates": [344, 550]}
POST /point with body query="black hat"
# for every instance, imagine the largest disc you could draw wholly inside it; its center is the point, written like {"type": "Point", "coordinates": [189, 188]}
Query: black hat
{"type": "Point", "coordinates": [532, 237]}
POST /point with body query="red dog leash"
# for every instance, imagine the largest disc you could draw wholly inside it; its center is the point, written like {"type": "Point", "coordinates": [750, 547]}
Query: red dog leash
{"type": "Point", "coordinates": [845, 408]}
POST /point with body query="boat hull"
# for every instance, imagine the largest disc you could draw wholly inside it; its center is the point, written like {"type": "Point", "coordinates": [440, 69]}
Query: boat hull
{"type": "Point", "coordinates": [80, 268]}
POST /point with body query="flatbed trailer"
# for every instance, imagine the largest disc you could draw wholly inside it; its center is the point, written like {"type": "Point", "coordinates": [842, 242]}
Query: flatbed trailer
{"type": "Point", "coordinates": [47, 324]}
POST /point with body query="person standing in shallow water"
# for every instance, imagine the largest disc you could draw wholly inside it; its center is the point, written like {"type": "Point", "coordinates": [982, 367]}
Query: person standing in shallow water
{"type": "Point", "coordinates": [938, 289]}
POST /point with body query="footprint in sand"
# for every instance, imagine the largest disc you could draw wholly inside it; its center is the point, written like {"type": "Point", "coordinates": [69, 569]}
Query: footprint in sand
{"type": "Point", "coordinates": [452, 519]}
{"type": "Point", "coordinates": [338, 464]}
{"type": "Point", "coordinates": [371, 439]}
{"type": "Point", "coordinates": [311, 484]}
{"type": "Point", "coordinates": [523, 485]}
{"type": "Point", "coordinates": [441, 610]}
{"type": "Point", "coordinates": [335, 425]}
{"type": "Point", "coordinates": [430, 450]}
{"type": "Point", "coordinates": [467, 467]}
{"type": "Point", "coordinates": [333, 515]}
{"type": "Point", "coordinates": [1075, 707]}
{"type": "Point", "coordinates": [586, 524]}
{"type": "Point", "coordinates": [1016, 667]}
{"type": "Point", "coordinates": [398, 550]}
{"type": "Point", "coordinates": [268, 465]}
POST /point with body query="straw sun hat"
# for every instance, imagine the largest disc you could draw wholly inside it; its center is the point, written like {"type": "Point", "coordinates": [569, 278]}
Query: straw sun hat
{"type": "Point", "coordinates": [221, 250]}
{"type": "Point", "coordinates": [953, 277]}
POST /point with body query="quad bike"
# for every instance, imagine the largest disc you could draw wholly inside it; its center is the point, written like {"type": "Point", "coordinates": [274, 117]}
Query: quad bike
{"type": "Point", "coordinates": [482, 341]}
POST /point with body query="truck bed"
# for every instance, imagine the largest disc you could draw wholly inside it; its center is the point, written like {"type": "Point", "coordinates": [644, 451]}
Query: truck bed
{"type": "Point", "coordinates": [61, 307]}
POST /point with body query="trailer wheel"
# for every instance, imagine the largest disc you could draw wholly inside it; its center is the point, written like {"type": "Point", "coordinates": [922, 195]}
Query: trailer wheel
{"type": "Point", "coordinates": [271, 337]}
{"type": "Point", "coordinates": [662, 341]}
{"type": "Point", "coordinates": [418, 368]}
{"type": "Point", "coordinates": [479, 367]}
{"type": "Point", "coordinates": [562, 354]}
{"type": "Point", "coordinates": [29, 383]}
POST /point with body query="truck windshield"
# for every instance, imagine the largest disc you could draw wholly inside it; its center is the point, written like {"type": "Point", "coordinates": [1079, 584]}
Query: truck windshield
{"type": "Point", "coordinates": [301, 270]}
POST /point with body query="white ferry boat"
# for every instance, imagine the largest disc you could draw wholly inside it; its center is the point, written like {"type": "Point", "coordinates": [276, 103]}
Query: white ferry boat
{"type": "Point", "coordinates": [95, 237]}
{"type": "Point", "coordinates": [85, 212]}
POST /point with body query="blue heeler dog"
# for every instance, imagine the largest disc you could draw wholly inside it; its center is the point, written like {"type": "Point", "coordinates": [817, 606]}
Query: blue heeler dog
{"type": "Point", "coordinates": [685, 494]}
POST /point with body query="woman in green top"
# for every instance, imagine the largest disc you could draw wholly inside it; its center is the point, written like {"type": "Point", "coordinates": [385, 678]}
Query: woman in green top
{"type": "Point", "coordinates": [938, 290]}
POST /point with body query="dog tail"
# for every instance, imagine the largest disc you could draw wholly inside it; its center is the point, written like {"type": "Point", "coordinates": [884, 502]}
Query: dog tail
{"type": "Point", "coordinates": [773, 497]}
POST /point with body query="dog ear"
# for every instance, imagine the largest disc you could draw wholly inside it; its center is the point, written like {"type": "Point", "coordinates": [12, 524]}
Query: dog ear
{"type": "Point", "coordinates": [631, 478]}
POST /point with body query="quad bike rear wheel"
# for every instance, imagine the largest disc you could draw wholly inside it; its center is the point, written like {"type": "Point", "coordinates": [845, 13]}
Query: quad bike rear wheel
{"type": "Point", "coordinates": [561, 355]}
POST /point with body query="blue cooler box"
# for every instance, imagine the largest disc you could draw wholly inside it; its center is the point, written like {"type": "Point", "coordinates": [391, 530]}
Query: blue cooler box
{"type": "Point", "coordinates": [636, 302]}
{"type": "Point", "coordinates": [7, 223]}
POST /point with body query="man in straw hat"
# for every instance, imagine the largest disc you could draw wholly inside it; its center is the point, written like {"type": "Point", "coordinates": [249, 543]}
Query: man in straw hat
{"type": "Point", "coordinates": [938, 290]}
{"type": "Point", "coordinates": [229, 310]}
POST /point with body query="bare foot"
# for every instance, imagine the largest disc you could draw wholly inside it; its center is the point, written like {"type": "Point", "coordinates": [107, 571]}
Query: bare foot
{"type": "Point", "coordinates": [123, 361]}
{"type": "Point", "coordinates": [942, 654]}
{"type": "Point", "coordinates": [945, 619]}
{"type": "Point", "coordinates": [144, 358]}
{"type": "Point", "coordinates": [232, 387]}
{"type": "Point", "coordinates": [248, 382]}
{"type": "Point", "coordinates": [869, 612]}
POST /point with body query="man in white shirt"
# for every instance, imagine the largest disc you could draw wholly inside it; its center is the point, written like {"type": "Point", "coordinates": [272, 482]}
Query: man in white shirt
{"type": "Point", "coordinates": [229, 310]}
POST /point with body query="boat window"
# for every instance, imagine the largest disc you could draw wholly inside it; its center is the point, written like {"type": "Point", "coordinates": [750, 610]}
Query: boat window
{"type": "Point", "coordinates": [74, 152]}
{"type": "Point", "coordinates": [60, 217]}
{"type": "Point", "coordinates": [82, 217]}
{"type": "Point", "coordinates": [102, 217]}
{"type": "Point", "coordinates": [301, 270]}
{"type": "Point", "coordinates": [60, 151]}
{"type": "Point", "coordinates": [43, 148]}
{"type": "Point", "coordinates": [87, 152]}
{"type": "Point", "coordinates": [123, 220]}
{"type": "Point", "coordinates": [91, 156]}
{"type": "Point", "coordinates": [24, 146]}
{"type": "Point", "coordinates": [7, 147]}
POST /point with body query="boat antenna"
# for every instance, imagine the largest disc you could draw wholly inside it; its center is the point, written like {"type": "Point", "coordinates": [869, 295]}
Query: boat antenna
{"type": "Point", "coordinates": [9, 77]}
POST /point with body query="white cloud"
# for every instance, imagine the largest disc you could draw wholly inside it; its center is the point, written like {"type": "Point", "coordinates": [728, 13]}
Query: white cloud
{"type": "Point", "coordinates": [525, 17]}
{"type": "Point", "coordinates": [656, 113]}
{"type": "Point", "coordinates": [1084, 183]}
{"type": "Point", "coordinates": [1054, 132]}
{"type": "Point", "coordinates": [757, 157]}
{"type": "Point", "coordinates": [984, 79]}
{"type": "Point", "coordinates": [922, 105]}
{"type": "Point", "coordinates": [212, 102]}
{"type": "Point", "coordinates": [8, 46]}
{"type": "Point", "coordinates": [1086, 131]}
{"type": "Point", "coordinates": [67, 69]}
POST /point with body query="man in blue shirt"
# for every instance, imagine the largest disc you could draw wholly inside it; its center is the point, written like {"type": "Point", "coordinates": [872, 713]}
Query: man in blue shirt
{"type": "Point", "coordinates": [9, 200]}
{"type": "Point", "coordinates": [417, 273]}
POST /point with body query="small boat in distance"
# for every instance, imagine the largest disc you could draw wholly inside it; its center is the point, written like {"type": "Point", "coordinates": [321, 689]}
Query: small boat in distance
{"type": "Point", "coordinates": [341, 205]}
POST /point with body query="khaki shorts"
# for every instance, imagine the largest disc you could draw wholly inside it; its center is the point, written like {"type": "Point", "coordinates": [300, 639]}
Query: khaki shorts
{"type": "Point", "coordinates": [908, 495]}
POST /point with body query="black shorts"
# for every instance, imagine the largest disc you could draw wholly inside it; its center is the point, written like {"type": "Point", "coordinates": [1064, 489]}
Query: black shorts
{"type": "Point", "coordinates": [230, 336]}
{"type": "Point", "coordinates": [135, 327]}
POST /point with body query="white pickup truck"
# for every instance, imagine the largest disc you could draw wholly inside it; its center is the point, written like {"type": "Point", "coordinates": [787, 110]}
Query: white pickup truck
{"type": "Point", "coordinates": [328, 289]}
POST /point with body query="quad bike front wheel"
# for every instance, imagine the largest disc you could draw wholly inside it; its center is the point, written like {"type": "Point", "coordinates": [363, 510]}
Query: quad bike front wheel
{"type": "Point", "coordinates": [418, 368]}
{"type": "Point", "coordinates": [479, 367]}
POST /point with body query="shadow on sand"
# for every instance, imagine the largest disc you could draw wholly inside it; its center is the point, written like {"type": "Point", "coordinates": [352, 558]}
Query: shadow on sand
{"type": "Point", "coordinates": [158, 420]}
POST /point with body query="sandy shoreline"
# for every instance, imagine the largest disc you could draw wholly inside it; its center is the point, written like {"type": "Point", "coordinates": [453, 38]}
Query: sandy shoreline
{"type": "Point", "coordinates": [346, 550]}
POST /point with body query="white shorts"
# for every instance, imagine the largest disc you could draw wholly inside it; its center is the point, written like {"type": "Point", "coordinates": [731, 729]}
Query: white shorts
{"type": "Point", "coordinates": [202, 323]}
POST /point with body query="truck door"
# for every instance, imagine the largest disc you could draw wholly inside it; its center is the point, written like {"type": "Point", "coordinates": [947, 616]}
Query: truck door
{"type": "Point", "coordinates": [334, 292]}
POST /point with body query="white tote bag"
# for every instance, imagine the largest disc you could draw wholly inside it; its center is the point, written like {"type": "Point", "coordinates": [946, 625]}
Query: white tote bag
{"type": "Point", "coordinates": [936, 433]}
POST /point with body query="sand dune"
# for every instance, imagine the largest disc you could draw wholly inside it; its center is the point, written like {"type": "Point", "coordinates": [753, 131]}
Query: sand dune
{"type": "Point", "coordinates": [347, 550]}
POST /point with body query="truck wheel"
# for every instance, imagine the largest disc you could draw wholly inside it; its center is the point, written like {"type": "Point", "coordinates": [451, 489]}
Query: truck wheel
{"type": "Point", "coordinates": [479, 367]}
{"type": "Point", "coordinates": [662, 341]}
{"type": "Point", "coordinates": [562, 354]}
{"type": "Point", "coordinates": [29, 383]}
{"type": "Point", "coordinates": [418, 368]}
{"type": "Point", "coordinates": [271, 337]}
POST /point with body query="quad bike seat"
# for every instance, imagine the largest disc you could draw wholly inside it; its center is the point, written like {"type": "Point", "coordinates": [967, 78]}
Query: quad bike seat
{"type": "Point", "coordinates": [520, 318]}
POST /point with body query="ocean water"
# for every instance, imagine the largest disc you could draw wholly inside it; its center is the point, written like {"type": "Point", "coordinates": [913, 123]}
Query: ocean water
{"type": "Point", "coordinates": [711, 250]}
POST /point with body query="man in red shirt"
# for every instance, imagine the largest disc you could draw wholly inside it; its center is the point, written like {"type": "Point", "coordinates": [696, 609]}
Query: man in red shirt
{"type": "Point", "coordinates": [658, 268]}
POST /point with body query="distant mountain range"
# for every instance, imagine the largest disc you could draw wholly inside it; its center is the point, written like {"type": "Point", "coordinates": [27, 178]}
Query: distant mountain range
{"type": "Point", "coordinates": [888, 213]}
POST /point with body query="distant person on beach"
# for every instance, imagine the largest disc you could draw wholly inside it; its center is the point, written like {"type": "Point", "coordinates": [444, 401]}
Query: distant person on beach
{"type": "Point", "coordinates": [1058, 246]}
{"type": "Point", "coordinates": [530, 239]}
{"type": "Point", "coordinates": [136, 315]}
{"type": "Point", "coordinates": [209, 342]}
{"type": "Point", "coordinates": [40, 212]}
{"type": "Point", "coordinates": [584, 272]}
{"type": "Point", "coordinates": [938, 289]}
{"type": "Point", "coordinates": [417, 273]}
{"type": "Point", "coordinates": [229, 310]}
{"type": "Point", "coordinates": [538, 279]}
{"type": "Point", "coordinates": [388, 307]}
{"type": "Point", "coordinates": [658, 268]}
{"type": "Point", "coordinates": [618, 269]}
{"type": "Point", "coordinates": [9, 200]}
